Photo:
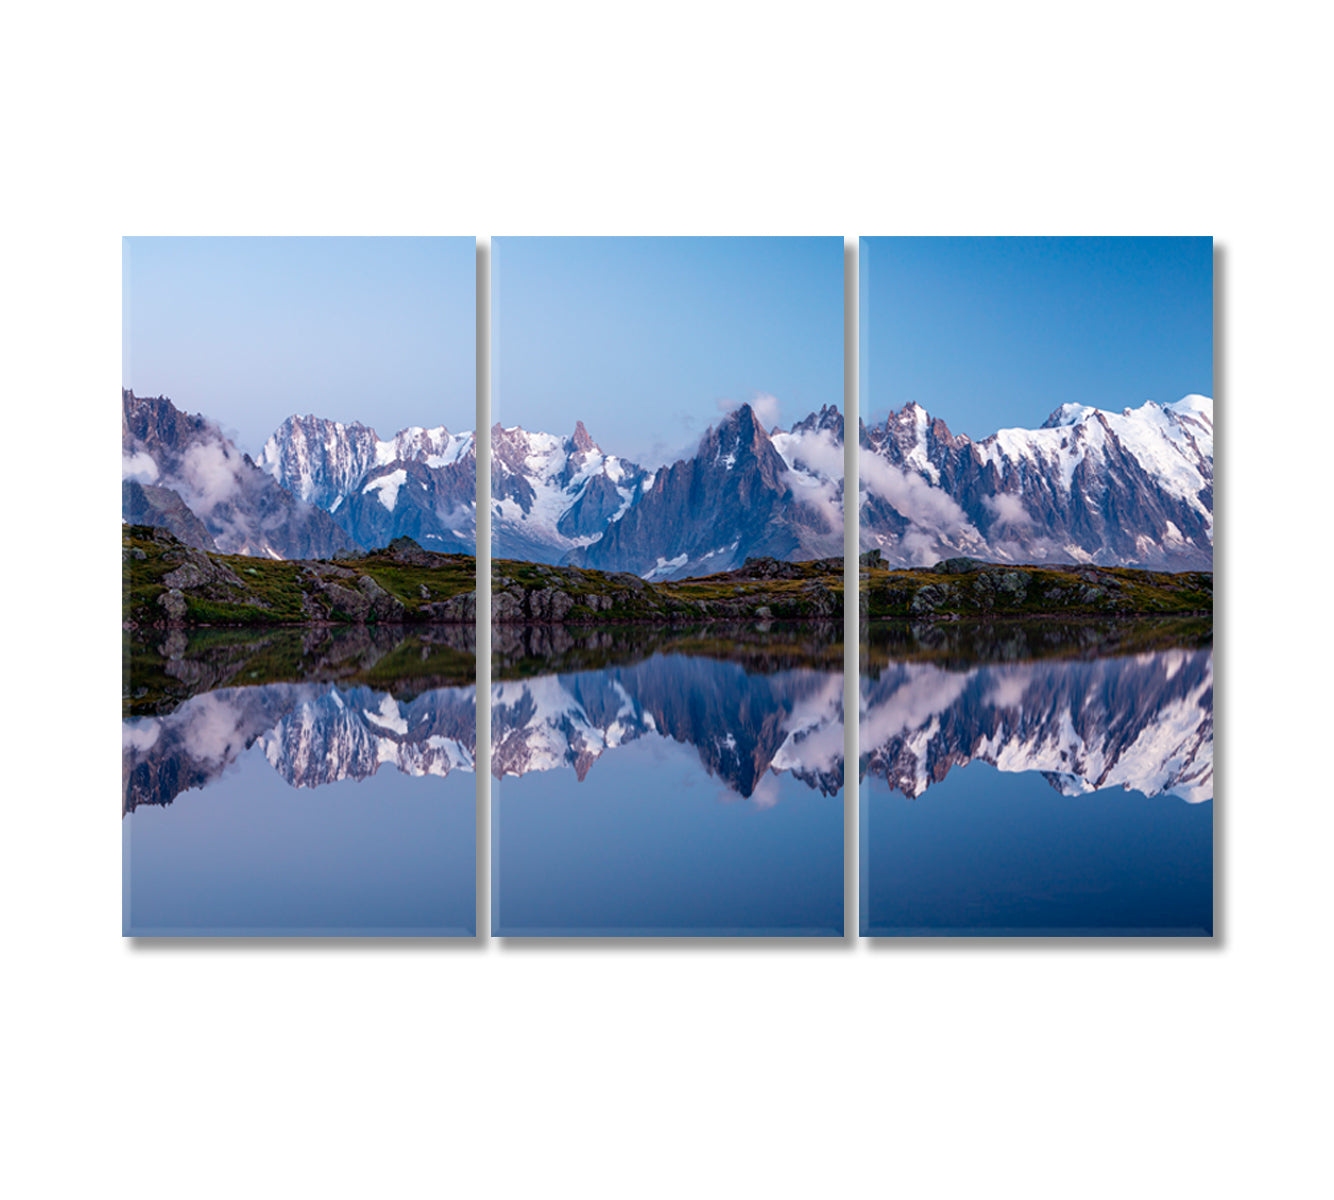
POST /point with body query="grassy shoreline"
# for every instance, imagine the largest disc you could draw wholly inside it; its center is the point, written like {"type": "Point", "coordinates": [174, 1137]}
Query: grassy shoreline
{"type": "Point", "coordinates": [964, 587]}
{"type": "Point", "coordinates": [167, 584]}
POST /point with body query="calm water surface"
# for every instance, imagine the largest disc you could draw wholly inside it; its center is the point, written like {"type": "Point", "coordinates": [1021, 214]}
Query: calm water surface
{"type": "Point", "coordinates": [1066, 794]}
{"type": "Point", "coordinates": [655, 782]}
{"type": "Point", "coordinates": [331, 808]}
{"type": "Point", "coordinates": [669, 793]}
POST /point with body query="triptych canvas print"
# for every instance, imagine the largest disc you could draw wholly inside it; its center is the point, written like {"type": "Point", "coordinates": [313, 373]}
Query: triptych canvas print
{"type": "Point", "coordinates": [674, 535]}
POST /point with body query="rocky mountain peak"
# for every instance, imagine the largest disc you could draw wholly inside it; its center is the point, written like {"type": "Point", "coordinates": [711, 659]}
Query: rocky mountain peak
{"type": "Point", "coordinates": [737, 433]}
{"type": "Point", "coordinates": [737, 496]}
{"type": "Point", "coordinates": [829, 419]}
{"type": "Point", "coordinates": [580, 439]}
{"type": "Point", "coordinates": [1067, 414]}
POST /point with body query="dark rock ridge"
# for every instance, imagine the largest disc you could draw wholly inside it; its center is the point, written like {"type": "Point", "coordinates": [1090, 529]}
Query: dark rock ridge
{"type": "Point", "coordinates": [735, 478]}
{"type": "Point", "coordinates": [146, 504]}
{"type": "Point", "coordinates": [736, 498]}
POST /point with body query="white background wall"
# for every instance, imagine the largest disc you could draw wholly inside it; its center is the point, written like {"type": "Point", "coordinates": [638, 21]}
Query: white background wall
{"type": "Point", "coordinates": [924, 1069]}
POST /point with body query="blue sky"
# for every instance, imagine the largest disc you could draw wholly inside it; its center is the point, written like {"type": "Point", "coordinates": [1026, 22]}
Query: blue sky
{"type": "Point", "coordinates": [648, 340]}
{"type": "Point", "coordinates": [989, 333]}
{"type": "Point", "coordinates": [251, 330]}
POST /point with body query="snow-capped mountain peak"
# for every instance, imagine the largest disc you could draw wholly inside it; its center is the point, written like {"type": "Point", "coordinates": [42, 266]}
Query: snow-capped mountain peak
{"type": "Point", "coordinates": [1128, 488]}
{"type": "Point", "coordinates": [552, 495]}
{"type": "Point", "coordinates": [420, 483]}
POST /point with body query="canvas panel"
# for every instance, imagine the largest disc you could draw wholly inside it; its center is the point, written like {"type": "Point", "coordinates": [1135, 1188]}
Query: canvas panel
{"type": "Point", "coordinates": [1036, 524]}
{"type": "Point", "coordinates": [299, 478]}
{"type": "Point", "coordinates": [667, 575]}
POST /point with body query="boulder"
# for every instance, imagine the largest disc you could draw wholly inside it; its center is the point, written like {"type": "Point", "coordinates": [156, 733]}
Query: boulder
{"type": "Point", "coordinates": [173, 604]}
{"type": "Point", "coordinates": [769, 568]}
{"type": "Point", "coordinates": [460, 609]}
{"type": "Point", "coordinates": [549, 604]}
{"type": "Point", "coordinates": [345, 603]}
{"type": "Point", "coordinates": [958, 566]}
{"type": "Point", "coordinates": [932, 597]}
{"type": "Point", "coordinates": [506, 606]}
{"type": "Point", "coordinates": [383, 606]}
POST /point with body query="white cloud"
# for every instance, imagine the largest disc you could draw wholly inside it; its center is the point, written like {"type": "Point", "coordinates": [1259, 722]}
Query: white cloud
{"type": "Point", "coordinates": [814, 729]}
{"type": "Point", "coordinates": [913, 496]}
{"type": "Point", "coordinates": [905, 700]}
{"type": "Point", "coordinates": [1008, 688]}
{"type": "Point", "coordinates": [139, 735]}
{"type": "Point", "coordinates": [815, 474]}
{"type": "Point", "coordinates": [921, 547]}
{"type": "Point", "coordinates": [139, 465]}
{"type": "Point", "coordinates": [1008, 509]}
{"type": "Point", "coordinates": [935, 518]}
{"type": "Point", "coordinates": [213, 731]}
{"type": "Point", "coordinates": [815, 450]}
{"type": "Point", "coordinates": [822, 495]}
{"type": "Point", "coordinates": [212, 475]}
{"type": "Point", "coordinates": [765, 794]}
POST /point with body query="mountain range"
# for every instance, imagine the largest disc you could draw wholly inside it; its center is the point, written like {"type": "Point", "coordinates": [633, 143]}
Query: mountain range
{"type": "Point", "coordinates": [1089, 486]}
{"type": "Point", "coordinates": [744, 493]}
{"type": "Point", "coordinates": [741, 724]}
{"type": "Point", "coordinates": [318, 488]}
{"type": "Point", "coordinates": [1142, 722]}
{"type": "Point", "coordinates": [421, 483]}
{"type": "Point", "coordinates": [179, 471]}
{"type": "Point", "coordinates": [311, 735]}
{"type": "Point", "coordinates": [1128, 489]}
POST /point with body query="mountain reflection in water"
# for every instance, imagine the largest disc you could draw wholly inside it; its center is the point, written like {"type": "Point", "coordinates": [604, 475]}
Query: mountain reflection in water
{"type": "Point", "coordinates": [285, 807]}
{"type": "Point", "coordinates": [742, 726]}
{"type": "Point", "coordinates": [310, 734]}
{"type": "Point", "coordinates": [684, 782]}
{"type": "Point", "coordinates": [1062, 794]}
{"type": "Point", "coordinates": [1143, 722]}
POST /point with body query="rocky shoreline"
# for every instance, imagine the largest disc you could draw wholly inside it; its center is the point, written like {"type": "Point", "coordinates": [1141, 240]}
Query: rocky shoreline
{"type": "Point", "coordinates": [168, 584]}
{"type": "Point", "coordinates": [967, 587]}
